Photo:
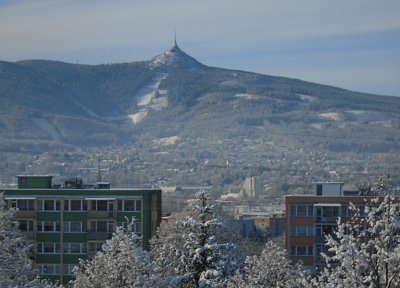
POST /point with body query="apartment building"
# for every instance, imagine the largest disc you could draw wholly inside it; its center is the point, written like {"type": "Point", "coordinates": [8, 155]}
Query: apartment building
{"type": "Point", "coordinates": [72, 221]}
{"type": "Point", "coordinates": [310, 217]}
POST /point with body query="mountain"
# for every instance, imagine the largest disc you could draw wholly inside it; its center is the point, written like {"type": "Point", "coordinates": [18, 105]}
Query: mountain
{"type": "Point", "coordinates": [47, 105]}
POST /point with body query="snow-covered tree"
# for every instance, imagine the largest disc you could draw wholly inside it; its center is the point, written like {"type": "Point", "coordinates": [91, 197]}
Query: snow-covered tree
{"type": "Point", "coordinates": [189, 253]}
{"type": "Point", "coordinates": [365, 252]}
{"type": "Point", "coordinates": [15, 250]}
{"type": "Point", "coordinates": [270, 269]}
{"type": "Point", "coordinates": [120, 263]}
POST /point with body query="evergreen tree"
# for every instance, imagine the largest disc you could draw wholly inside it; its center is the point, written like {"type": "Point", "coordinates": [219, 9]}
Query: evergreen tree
{"type": "Point", "coordinates": [120, 263]}
{"type": "Point", "coordinates": [365, 252]}
{"type": "Point", "coordinates": [191, 255]}
{"type": "Point", "coordinates": [270, 269]}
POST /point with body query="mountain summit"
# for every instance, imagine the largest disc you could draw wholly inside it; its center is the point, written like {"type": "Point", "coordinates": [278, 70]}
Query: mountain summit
{"type": "Point", "coordinates": [175, 58]}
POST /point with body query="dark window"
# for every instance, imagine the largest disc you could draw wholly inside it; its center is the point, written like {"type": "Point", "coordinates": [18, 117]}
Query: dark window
{"type": "Point", "coordinates": [319, 189]}
{"type": "Point", "coordinates": [26, 225]}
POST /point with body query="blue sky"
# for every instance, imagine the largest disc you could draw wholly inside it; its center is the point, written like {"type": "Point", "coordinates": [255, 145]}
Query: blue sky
{"type": "Point", "coordinates": [353, 44]}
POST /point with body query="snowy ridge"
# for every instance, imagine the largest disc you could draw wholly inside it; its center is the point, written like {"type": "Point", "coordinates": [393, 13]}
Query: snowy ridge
{"type": "Point", "coordinates": [175, 58]}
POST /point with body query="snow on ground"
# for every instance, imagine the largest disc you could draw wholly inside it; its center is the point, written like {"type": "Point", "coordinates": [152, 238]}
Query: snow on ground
{"type": "Point", "coordinates": [331, 115]}
{"type": "Point", "coordinates": [247, 96]}
{"type": "Point", "coordinates": [317, 126]}
{"type": "Point", "coordinates": [369, 116]}
{"type": "Point", "coordinates": [87, 109]}
{"type": "Point", "coordinates": [356, 116]}
{"type": "Point", "coordinates": [48, 127]}
{"type": "Point", "coordinates": [306, 98]}
{"type": "Point", "coordinates": [149, 97]}
{"type": "Point", "coordinates": [137, 117]}
{"type": "Point", "coordinates": [167, 141]}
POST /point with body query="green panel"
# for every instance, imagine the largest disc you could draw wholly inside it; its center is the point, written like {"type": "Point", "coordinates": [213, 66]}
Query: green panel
{"type": "Point", "coordinates": [48, 237]}
{"type": "Point", "coordinates": [146, 220]}
{"type": "Point", "coordinates": [34, 181]}
{"type": "Point", "coordinates": [121, 216]}
{"type": "Point", "coordinates": [48, 216]}
{"type": "Point", "coordinates": [48, 258]}
{"type": "Point", "coordinates": [75, 216]}
{"type": "Point", "coordinates": [83, 193]}
{"type": "Point", "coordinates": [75, 237]}
{"type": "Point", "coordinates": [73, 259]}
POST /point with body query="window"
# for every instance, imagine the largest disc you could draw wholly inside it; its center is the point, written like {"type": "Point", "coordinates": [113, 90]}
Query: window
{"type": "Point", "coordinates": [302, 210]}
{"type": "Point", "coordinates": [301, 230]}
{"type": "Point", "coordinates": [130, 205]}
{"type": "Point", "coordinates": [26, 225]}
{"type": "Point", "coordinates": [102, 205]}
{"type": "Point", "coordinates": [101, 226]}
{"type": "Point", "coordinates": [48, 226]}
{"type": "Point", "coordinates": [68, 269]}
{"type": "Point", "coordinates": [49, 205]}
{"type": "Point", "coordinates": [330, 212]}
{"type": "Point", "coordinates": [48, 248]}
{"type": "Point", "coordinates": [301, 250]}
{"type": "Point", "coordinates": [22, 204]}
{"type": "Point", "coordinates": [73, 227]}
{"type": "Point", "coordinates": [74, 248]}
{"type": "Point", "coordinates": [319, 189]}
{"type": "Point", "coordinates": [49, 269]}
{"type": "Point", "coordinates": [74, 205]}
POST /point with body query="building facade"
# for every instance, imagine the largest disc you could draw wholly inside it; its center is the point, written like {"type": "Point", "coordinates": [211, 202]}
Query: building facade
{"type": "Point", "coordinates": [252, 186]}
{"type": "Point", "coordinates": [72, 221]}
{"type": "Point", "coordinates": [310, 217]}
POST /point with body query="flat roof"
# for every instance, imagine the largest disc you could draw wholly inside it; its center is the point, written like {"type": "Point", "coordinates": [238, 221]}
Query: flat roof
{"type": "Point", "coordinates": [41, 176]}
{"type": "Point", "coordinates": [328, 204]}
{"type": "Point", "coordinates": [328, 182]}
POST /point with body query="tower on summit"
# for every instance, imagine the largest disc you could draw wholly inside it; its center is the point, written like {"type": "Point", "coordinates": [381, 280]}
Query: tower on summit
{"type": "Point", "coordinates": [175, 46]}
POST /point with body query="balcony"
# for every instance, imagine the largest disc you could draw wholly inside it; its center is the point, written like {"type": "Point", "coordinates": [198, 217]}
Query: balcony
{"type": "Point", "coordinates": [101, 214]}
{"type": "Point", "coordinates": [25, 214]}
{"type": "Point", "coordinates": [99, 235]}
{"type": "Point", "coordinates": [331, 220]}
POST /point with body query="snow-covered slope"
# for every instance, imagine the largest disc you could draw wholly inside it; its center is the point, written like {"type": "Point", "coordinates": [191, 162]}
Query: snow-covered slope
{"type": "Point", "coordinates": [150, 97]}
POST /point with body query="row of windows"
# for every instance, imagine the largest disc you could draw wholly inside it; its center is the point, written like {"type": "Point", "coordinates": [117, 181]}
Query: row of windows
{"type": "Point", "coordinates": [301, 250]}
{"type": "Point", "coordinates": [74, 226]}
{"type": "Point", "coordinates": [54, 248]}
{"type": "Point", "coordinates": [54, 269]}
{"type": "Point", "coordinates": [304, 210]}
{"type": "Point", "coordinates": [301, 230]}
{"type": "Point", "coordinates": [77, 205]}
{"type": "Point", "coordinates": [49, 269]}
{"type": "Point", "coordinates": [22, 204]}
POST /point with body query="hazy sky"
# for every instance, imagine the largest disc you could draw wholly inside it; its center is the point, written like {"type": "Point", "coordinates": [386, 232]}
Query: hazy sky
{"type": "Point", "coordinates": [353, 44]}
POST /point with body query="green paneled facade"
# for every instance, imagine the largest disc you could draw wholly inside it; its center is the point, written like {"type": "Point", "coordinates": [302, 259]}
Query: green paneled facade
{"type": "Point", "coordinates": [67, 224]}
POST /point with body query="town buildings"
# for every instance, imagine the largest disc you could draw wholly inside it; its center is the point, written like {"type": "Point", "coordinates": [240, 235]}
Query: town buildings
{"type": "Point", "coordinates": [72, 221]}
